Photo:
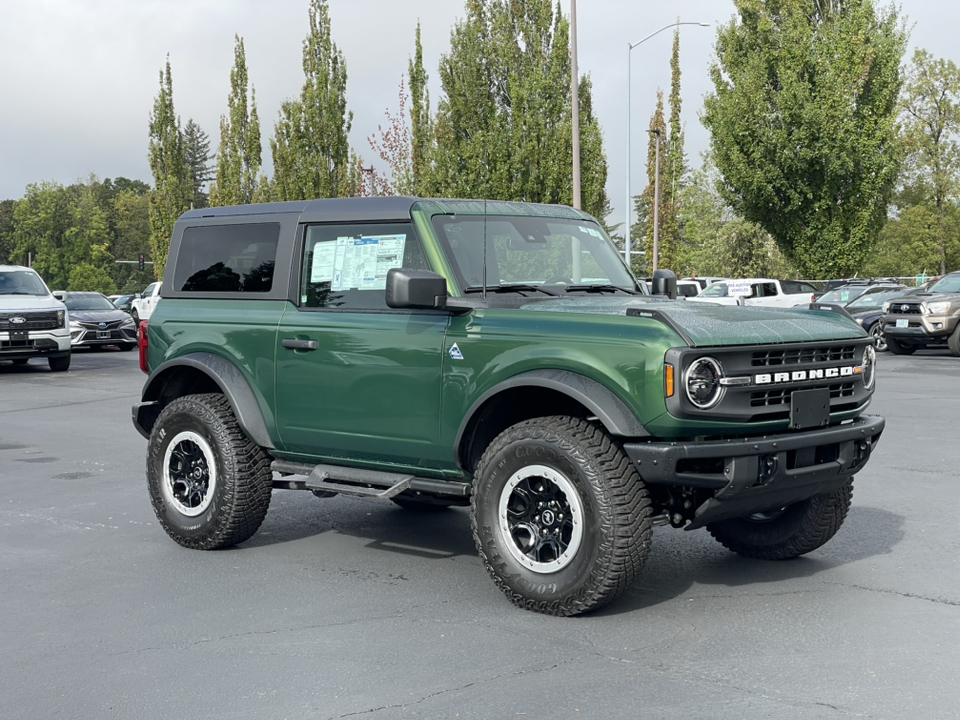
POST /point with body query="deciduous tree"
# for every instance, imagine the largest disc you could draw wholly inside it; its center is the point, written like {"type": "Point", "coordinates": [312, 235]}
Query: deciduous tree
{"type": "Point", "coordinates": [802, 124]}
{"type": "Point", "coordinates": [310, 149]}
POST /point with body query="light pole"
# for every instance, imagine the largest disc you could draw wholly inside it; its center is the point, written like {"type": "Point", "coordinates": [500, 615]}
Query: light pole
{"type": "Point", "coordinates": [630, 46]}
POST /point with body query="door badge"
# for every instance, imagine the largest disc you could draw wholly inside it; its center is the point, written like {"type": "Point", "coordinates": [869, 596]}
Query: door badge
{"type": "Point", "coordinates": [455, 352]}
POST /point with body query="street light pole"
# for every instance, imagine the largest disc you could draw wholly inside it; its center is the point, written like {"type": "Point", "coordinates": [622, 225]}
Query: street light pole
{"type": "Point", "coordinates": [630, 46]}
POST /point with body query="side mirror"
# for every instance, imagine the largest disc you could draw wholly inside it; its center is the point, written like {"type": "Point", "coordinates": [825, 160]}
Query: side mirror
{"type": "Point", "coordinates": [664, 283]}
{"type": "Point", "coordinates": [408, 288]}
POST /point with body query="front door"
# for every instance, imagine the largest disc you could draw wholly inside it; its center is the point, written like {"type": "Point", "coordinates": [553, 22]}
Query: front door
{"type": "Point", "coordinates": [357, 380]}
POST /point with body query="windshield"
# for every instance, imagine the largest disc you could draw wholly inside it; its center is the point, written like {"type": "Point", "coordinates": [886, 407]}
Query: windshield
{"type": "Point", "coordinates": [876, 299]}
{"type": "Point", "coordinates": [88, 302]}
{"type": "Point", "coordinates": [841, 295]}
{"type": "Point", "coordinates": [948, 284]}
{"type": "Point", "coordinates": [561, 254]}
{"type": "Point", "coordinates": [21, 282]}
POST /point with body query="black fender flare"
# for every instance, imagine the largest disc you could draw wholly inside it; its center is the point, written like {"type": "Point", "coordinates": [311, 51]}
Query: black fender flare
{"type": "Point", "coordinates": [613, 413]}
{"type": "Point", "coordinates": [228, 378]}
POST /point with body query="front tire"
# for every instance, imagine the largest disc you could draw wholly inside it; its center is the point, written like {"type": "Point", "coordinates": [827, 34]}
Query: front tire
{"type": "Point", "coordinates": [209, 483]}
{"type": "Point", "coordinates": [59, 364]}
{"type": "Point", "coordinates": [788, 532]}
{"type": "Point", "coordinates": [953, 342]}
{"type": "Point", "coordinates": [900, 348]}
{"type": "Point", "coordinates": [879, 339]}
{"type": "Point", "coordinates": [560, 517]}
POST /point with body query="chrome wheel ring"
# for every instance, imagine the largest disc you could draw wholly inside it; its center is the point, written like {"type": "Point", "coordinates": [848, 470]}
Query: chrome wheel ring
{"type": "Point", "coordinates": [189, 474]}
{"type": "Point", "coordinates": [540, 518]}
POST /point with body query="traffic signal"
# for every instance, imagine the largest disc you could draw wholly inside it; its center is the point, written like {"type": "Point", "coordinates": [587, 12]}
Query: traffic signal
{"type": "Point", "coordinates": [142, 261]}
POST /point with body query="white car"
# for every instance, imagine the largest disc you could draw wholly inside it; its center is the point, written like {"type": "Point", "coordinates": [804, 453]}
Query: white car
{"type": "Point", "coordinates": [141, 308]}
{"type": "Point", "coordinates": [33, 323]}
{"type": "Point", "coordinates": [764, 292]}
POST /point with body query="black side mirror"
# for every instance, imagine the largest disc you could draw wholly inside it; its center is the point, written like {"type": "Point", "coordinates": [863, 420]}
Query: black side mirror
{"type": "Point", "coordinates": [664, 283]}
{"type": "Point", "coordinates": [408, 288]}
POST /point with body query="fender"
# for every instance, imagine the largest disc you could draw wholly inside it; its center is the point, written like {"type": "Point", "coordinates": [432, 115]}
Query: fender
{"type": "Point", "coordinates": [227, 377]}
{"type": "Point", "coordinates": [612, 412]}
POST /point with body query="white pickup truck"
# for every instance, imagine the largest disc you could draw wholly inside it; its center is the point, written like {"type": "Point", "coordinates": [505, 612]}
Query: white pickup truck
{"type": "Point", "coordinates": [764, 292]}
{"type": "Point", "coordinates": [141, 307]}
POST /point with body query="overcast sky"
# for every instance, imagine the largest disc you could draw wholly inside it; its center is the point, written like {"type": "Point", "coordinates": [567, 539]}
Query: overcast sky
{"type": "Point", "coordinates": [78, 77]}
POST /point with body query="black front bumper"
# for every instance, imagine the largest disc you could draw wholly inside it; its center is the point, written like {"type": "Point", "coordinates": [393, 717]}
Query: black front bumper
{"type": "Point", "coordinates": [753, 474]}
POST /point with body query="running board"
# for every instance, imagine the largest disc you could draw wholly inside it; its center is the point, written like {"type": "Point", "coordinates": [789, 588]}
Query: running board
{"type": "Point", "coordinates": [359, 482]}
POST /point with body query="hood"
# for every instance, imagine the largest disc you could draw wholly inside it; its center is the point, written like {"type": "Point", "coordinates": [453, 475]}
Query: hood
{"type": "Point", "coordinates": [706, 325]}
{"type": "Point", "coordinates": [30, 302]}
{"type": "Point", "coordinates": [928, 298]}
{"type": "Point", "coordinates": [98, 315]}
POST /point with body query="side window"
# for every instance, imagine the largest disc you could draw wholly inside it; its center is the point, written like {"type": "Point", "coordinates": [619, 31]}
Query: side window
{"type": "Point", "coordinates": [345, 265]}
{"type": "Point", "coordinates": [148, 289]}
{"type": "Point", "coordinates": [235, 258]}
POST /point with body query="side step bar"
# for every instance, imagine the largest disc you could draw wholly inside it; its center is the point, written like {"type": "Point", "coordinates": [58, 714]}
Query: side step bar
{"type": "Point", "coordinates": [359, 482]}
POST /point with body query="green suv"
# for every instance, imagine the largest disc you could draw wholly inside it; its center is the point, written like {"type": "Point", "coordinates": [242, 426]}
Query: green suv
{"type": "Point", "coordinates": [497, 355]}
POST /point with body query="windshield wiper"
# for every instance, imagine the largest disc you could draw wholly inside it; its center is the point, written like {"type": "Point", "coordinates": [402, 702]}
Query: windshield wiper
{"type": "Point", "coordinates": [601, 288]}
{"type": "Point", "coordinates": [512, 288]}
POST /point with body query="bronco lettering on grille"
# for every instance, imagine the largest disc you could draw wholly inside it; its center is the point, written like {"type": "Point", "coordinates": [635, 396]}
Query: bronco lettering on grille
{"type": "Point", "coordinates": [805, 375]}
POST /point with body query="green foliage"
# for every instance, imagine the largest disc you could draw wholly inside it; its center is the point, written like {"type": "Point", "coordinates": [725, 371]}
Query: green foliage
{"type": "Point", "coordinates": [240, 156]}
{"type": "Point", "coordinates": [421, 126]}
{"type": "Point", "coordinates": [503, 127]}
{"type": "Point", "coordinates": [6, 230]}
{"type": "Point", "coordinates": [931, 120]}
{"type": "Point", "coordinates": [196, 153]}
{"type": "Point", "coordinates": [88, 277]}
{"type": "Point", "coordinates": [173, 187]}
{"type": "Point", "coordinates": [310, 148]}
{"type": "Point", "coordinates": [802, 125]}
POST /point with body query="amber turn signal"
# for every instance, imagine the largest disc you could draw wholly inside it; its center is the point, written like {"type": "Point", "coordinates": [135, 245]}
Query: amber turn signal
{"type": "Point", "coordinates": [668, 380]}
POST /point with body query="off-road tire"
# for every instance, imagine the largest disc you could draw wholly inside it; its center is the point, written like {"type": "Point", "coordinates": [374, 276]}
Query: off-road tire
{"type": "Point", "coordinates": [613, 500]}
{"type": "Point", "coordinates": [899, 348]}
{"type": "Point", "coordinates": [59, 364]}
{"type": "Point", "coordinates": [797, 530]}
{"type": "Point", "coordinates": [242, 483]}
{"type": "Point", "coordinates": [879, 339]}
{"type": "Point", "coordinates": [953, 342]}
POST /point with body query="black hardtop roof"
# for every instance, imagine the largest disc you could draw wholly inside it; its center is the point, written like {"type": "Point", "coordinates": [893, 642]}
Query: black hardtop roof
{"type": "Point", "coordinates": [384, 208]}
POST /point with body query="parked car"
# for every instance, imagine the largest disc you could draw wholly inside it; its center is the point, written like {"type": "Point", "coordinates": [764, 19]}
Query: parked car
{"type": "Point", "coordinates": [142, 306]}
{"type": "Point", "coordinates": [705, 281]}
{"type": "Point", "coordinates": [846, 294]}
{"type": "Point", "coordinates": [831, 285]}
{"type": "Point", "coordinates": [33, 323]}
{"type": "Point", "coordinates": [95, 322]}
{"type": "Point", "coordinates": [926, 319]}
{"type": "Point", "coordinates": [123, 302]}
{"type": "Point", "coordinates": [867, 310]}
{"type": "Point", "coordinates": [685, 288]}
{"type": "Point", "coordinates": [763, 292]}
{"type": "Point", "coordinates": [452, 352]}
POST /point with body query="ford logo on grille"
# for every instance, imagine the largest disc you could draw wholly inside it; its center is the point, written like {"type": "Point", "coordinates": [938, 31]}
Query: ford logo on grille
{"type": "Point", "coordinates": [17, 320]}
{"type": "Point", "coordinates": [102, 326]}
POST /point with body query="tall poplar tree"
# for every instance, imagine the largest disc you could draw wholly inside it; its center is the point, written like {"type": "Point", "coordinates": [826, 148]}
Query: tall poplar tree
{"type": "Point", "coordinates": [172, 187]}
{"type": "Point", "coordinates": [803, 125]}
{"type": "Point", "coordinates": [658, 134]}
{"type": "Point", "coordinates": [420, 124]}
{"type": "Point", "coordinates": [310, 149]}
{"type": "Point", "coordinates": [503, 127]}
{"type": "Point", "coordinates": [240, 156]}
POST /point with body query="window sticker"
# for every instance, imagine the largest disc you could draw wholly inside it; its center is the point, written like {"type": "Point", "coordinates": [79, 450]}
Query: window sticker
{"type": "Point", "coordinates": [361, 263]}
{"type": "Point", "coordinates": [323, 256]}
{"type": "Point", "coordinates": [589, 231]}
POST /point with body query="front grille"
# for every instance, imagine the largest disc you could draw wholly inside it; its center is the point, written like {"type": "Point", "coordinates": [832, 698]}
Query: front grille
{"type": "Point", "coordinates": [804, 355]}
{"type": "Point", "coordinates": [96, 326]}
{"type": "Point", "coordinates": [906, 308]}
{"type": "Point", "coordinates": [43, 320]}
{"type": "Point", "coordinates": [781, 396]}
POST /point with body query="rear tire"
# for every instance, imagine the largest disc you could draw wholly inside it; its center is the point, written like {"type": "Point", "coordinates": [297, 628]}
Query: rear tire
{"type": "Point", "coordinates": [788, 532]}
{"type": "Point", "coordinates": [59, 364]}
{"type": "Point", "coordinates": [209, 483]}
{"type": "Point", "coordinates": [136, 318]}
{"type": "Point", "coordinates": [900, 348]}
{"type": "Point", "coordinates": [560, 517]}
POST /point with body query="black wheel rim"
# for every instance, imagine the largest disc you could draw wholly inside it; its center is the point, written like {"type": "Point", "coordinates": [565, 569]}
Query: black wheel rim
{"type": "Point", "coordinates": [540, 516]}
{"type": "Point", "coordinates": [189, 474]}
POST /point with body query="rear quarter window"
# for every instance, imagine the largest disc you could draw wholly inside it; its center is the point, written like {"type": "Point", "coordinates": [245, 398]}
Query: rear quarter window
{"type": "Point", "coordinates": [236, 258]}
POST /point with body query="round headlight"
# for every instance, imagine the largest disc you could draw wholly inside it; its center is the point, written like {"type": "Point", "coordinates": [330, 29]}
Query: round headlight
{"type": "Point", "coordinates": [702, 381]}
{"type": "Point", "coordinates": [868, 366]}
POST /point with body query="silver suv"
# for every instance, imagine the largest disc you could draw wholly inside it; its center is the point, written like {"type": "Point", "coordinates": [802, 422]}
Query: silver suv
{"type": "Point", "coordinates": [929, 319]}
{"type": "Point", "coordinates": [33, 323]}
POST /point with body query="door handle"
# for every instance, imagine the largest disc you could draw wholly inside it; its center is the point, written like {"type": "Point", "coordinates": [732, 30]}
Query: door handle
{"type": "Point", "coordinates": [295, 344]}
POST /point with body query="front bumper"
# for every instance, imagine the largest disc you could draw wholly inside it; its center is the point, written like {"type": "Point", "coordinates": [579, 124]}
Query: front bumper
{"type": "Point", "coordinates": [34, 343]}
{"type": "Point", "coordinates": [753, 474]}
{"type": "Point", "coordinates": [920, 328]}
{"type": "Point", "coordinates": [88, 337]}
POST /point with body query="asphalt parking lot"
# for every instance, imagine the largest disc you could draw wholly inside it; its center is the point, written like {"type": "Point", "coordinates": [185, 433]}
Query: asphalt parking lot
{"type": "Point", "coordinates": [350, 607]}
